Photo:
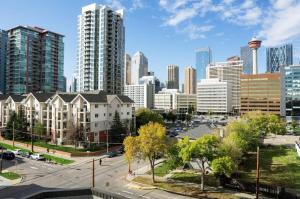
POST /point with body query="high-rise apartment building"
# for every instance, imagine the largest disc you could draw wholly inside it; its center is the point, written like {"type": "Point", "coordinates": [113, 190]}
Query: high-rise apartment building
{"type": "Point", "coordinates": [190, 82]}
{"type": "Point", "coordinates": [246, 57]}
{"type": "Point", "coordinates": [279, 57]}
{"type": "Point", "coordinates": [203, 58]}
{"type": "Point", "coordinates": [290, 93]}
{"type": "Point", "coordinates": [35, 60]}
{"type": "Point", "coordinates": [173, 77]}
{"type": "Point", "coordinates": [3, 45]}
{"type": "Point", "coordinates": [228, 72]}
{"type": "Point", "coordinates": [260, 92]}
{"type": "Point", "coordinates": [100, 50]}
{"type": "Point", "coordinates": [139, 67]}
{"type": "Point", "coordinates": [127, 69]}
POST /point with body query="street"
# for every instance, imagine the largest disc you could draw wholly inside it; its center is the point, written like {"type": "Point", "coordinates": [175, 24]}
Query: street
{"type": "Point", "coordinates": [111, 175]}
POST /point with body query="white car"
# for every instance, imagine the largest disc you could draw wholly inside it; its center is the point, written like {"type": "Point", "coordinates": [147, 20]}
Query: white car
{"type": "Point", "coordinates": [17, 151]}
{"type": "Point", "coordinates": [37, 156]}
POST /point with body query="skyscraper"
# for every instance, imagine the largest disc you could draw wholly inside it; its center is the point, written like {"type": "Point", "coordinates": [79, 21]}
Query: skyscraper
{"type": "Point", "coordinates": [127, 69]}
{"type": "Point", "coordinates": [35, 60]}
{"type": "Point", "coordinates": [173, 77]}
{"type": "Point", "coordinates": [246, 57]}
{"type": "Point", "coordinates": [279, 57]}
{"type": "Point", "coordinates": [203, 58]}
{"type": "Point", "coordinates": [3, 44]}
{"type": "Point", "coordinates": [190, 81]}
{"type": "Point", "coordinates": [139, 67]}
{"type": "Point", "coordinates": [100, 50]}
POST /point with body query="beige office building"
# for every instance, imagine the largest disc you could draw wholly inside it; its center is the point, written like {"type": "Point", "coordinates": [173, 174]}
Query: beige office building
{"type": "Point", "coordinates": [228, 72]}
{"type": "Point", "coordinates": [190, 82]}
{"type": "Point", "coordinates": [260, 92]}
{"type": "Point", "coordinates": [127, 69]}
{"type": "Point", "coordinates": [173, 77]}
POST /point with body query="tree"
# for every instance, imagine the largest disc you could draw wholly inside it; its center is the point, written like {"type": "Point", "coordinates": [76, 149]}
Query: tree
{"type": "Point", "coordinates": [152, 142]}
{"type": "Point", "coordinates": [275, 125]}
{"type": "Point", "coordinates": [232, 148]}
{"type": "Point", "coordinates": [38, 129]}
{"type": "Point", "coordinates": [223, 166]}
{"type": "Point", "coordinates": [294, 125]}
{"type": "Point", "coordinates": [205, 149]}
{"type": "Point", "coordinates": [131, 149]}
{"type": "Point", "coordinates": [21, 124]}
{"type": "Point", "coordinates": [9, 126]}
{"type": "Point", "coordinates": [144, 116]}
{"type": "Point", "coordinates": [117, 129]}
{"type": "Point", "coordinates": [191, 110]}
{"type": "Point", "coordinates": [171, 116]}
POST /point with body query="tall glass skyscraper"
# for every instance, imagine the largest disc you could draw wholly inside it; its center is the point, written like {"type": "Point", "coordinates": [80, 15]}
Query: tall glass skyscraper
{"type": "Point", "coordinates": [3, 44]}
{"type": "Point", "coordinates": [203, 58]}
{"type": "Point", "coordinates": [279, 57]}
{"type": "Point", "coordinates": [247, 58]}
{"type": "Point", "coordinates": [100, 50]}
{"type": "Point", "coordinates": [290, 101]}
{"type": "Point", "coordinates": [35, 60]}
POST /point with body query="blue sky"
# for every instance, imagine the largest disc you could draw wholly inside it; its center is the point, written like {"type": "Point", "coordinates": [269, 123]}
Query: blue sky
{"type": "Point", "coordinates": [168, 31]}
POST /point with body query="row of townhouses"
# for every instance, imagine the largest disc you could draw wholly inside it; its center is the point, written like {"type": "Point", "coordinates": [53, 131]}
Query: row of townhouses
{"type": "Point", "coordinates": [91, 114]}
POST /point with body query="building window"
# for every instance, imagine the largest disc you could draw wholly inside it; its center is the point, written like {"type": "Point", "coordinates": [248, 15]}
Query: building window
{"type": "Point", "coordinates": [118, 105]}
{"type": "Point", "coordinates": [96, 105]}
{"type": "Point", "coordinates": [110, 115]}
{"type": "Point", "coordinates": [96, 124]}
{"type": "Point", "coordinates": [104, 105]}
{"type": "Point", "coordinates": [104, 114]}
{"type": "Point", "coordinates": [127, 113]}
{"type": "Point", "coordinates": [127, 105]}
{"type": "Point", "coordinates": [96, 115]}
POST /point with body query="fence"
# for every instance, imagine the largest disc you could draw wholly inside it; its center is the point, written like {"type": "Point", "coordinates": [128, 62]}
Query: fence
{"type": "Point", "coordinates": [273, 191]}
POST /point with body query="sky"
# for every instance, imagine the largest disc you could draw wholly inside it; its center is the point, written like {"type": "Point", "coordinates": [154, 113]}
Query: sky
{"type": "Point", "coordinates": [169, 31]}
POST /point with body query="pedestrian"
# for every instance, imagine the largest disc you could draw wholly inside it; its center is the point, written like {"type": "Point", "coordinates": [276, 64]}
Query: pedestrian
{"type": "Point", "coordinates": [47, 150]}
{"type": "Point", "coordinates": [100, 161]}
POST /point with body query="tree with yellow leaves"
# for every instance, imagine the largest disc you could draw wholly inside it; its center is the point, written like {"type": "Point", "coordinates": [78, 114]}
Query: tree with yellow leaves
{"type": "Point", "coordinates": [152, 142]}
{"type": "Point", "coordinates": [131, 149]}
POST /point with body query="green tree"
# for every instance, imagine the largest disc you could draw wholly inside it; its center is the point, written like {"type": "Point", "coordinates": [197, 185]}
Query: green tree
{"type": "Point", "coordinates": [275, 125]}
{"type": "Point", "coordinates": [131, 149]}
{"type": "Point", "coordinates": [39, 129]}
{"type": "Point", "coordinates": [144, 116]}
{"type": "Point", "coordinates": [232, 148]}
{"type": "Point", "coordinates": [21, 124]}
{"type": "Point", "coordinates": [294, 125]}
{"type": "Point", "coordinates": [117, 128]}
{"type": "Point", "coordinates": [9, 126]}
{"type": "Point", "coordinates": [223, 166]}
{"type": "Point", "coordinates": [152, 142]}
{"type": "Point", "coordinates": [171, 116]}
{"type": "Point", "coordinates": [191, 110]}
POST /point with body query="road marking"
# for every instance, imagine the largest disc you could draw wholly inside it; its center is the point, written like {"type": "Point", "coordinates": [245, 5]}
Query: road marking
{"type": "Point", "coordinates": [128, 192]}
{"type": "Point", "coordinates": [34, 168]}
{"type": "Point", "coordinates": [144, 196]}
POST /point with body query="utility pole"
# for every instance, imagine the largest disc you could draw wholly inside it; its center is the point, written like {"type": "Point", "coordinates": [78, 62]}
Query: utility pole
{"type": "Point", "coordinates": [1, 159]}
{"type": "Point", "coordinates": [106, 137]}
{"type": "Point", "coordinates": [93, 180]}
{"type": "Point", "coordinates": [31, 139]}
{"type": "Point", "coordinates": [257, 173]}
{"type": "Point", "coordinates": [13, 133]}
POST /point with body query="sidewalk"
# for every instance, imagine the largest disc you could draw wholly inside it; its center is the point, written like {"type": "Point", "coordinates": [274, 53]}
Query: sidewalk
{"type": "Point", "coordinates": [4, 182]}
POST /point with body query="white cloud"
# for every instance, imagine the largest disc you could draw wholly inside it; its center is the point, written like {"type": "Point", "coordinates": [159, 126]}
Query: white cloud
{"type": "Point", "coordinates": [136, 4]}
{"type": "Point", "coordinates": [282, 4]}
{"type": "Point", "coordinates": [114, 4]}
{"type": "Point", "coordinates": [197, 32]}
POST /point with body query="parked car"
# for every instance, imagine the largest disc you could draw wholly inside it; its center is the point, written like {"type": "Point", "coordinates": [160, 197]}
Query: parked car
{"type": "Point", "coordinates": [8, 155]}
{"type": "Point", "coordinates": [121, 150]}
{"type": "Point", "coordinates": [17, 151]}
{"type": "Point", "coordinates": [37, 156]}
{"type": "Point", "coordinates": [25, 154]}
{"type": "Point", "coordinates": [112, 154]}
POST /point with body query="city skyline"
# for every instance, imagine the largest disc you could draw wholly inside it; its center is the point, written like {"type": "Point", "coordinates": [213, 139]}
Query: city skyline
{"type": "Point", "coordinates": [161, 33]}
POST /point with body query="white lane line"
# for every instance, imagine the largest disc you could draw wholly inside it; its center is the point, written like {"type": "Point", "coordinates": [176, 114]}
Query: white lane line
{"type": "Point", "coordinates": [128, 192]}
{"type": "Point", "coordinates": [144, 196]}
{"type": "Point", "coordinates": [34, 168]}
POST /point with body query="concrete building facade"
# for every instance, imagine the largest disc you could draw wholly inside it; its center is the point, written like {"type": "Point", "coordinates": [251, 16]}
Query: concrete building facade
{"type": "Point", "coordinates": [173, 77]}
{"type": "Point", "coordinates": [190, 81]}
{"type": "Point", "coordinates": [141, 94]}
{"type": "Point", "coordinates": [139, 67]}
{"type": "Point", "coordinates": [127, 69]}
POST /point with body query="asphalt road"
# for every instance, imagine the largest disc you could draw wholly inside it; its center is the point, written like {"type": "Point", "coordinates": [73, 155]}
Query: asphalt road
{"type": "Point", "coordinates": [110, 176]}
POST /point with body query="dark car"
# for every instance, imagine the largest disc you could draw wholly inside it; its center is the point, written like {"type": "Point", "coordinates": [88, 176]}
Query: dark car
{"type": "Point", "coordinates": [8, 155]}
{"type": "Point", "coordinates": [112, 154]}
{"type": "Point", "coordinates": [121, 150]}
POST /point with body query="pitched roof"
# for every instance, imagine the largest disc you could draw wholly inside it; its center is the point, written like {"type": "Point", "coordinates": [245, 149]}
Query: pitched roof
{"type": "Point", "coordinates": [99, 97]}
{"type": "Point", "coordinates": [67, 97]}
{"type": "Point", "coordinates": [17, 98]}
{"type": "Point", "coordinates": [125, 99]}
{"type": "Point", "coordinates": [42, 97]}
{"type": "Point", "coordinates": [3, 97]}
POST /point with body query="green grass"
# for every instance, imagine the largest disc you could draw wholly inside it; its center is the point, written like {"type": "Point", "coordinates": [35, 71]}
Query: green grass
{"type": "Point", "coordinates": [10, 175]}
{"type": "Point", "coordinates": [163, 169]}
{"type": "Point", "coordinates": [279, 166]}
{"type": "Point", "coordinates": [58, 160]}
{"type": "Point", "coordinates": [192, 177]}
{"type": "Point", "coordinates": [51, 158]}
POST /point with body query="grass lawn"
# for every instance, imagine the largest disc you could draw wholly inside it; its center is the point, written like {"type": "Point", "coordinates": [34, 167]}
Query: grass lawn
{"type": "Point", "coordinates": [279, 166]}
{"type": "Point", "coordinates": [10, 175]}
{"type": "Point", "coordinates": [163, 169]}
{"type": "Point", "coordinates": [187, 190]}
{"type": "Point", "coordinates": [192, 177]}
{"type": "Point", "coordinates": [58, 160]}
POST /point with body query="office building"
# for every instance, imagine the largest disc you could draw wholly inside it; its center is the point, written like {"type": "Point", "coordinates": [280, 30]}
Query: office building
{"type": "Point", "coordinates": [100, 50]}
{"type": "Point", "coordinates": [233, 58]}
{"type": "Point", "coordinates": [163, 101]}
{"type": "Point", "coordinates": [290, 100]}
{"type": "Point", "coordinates": [127, 69]}
{"type": "Point", "coordinates": [228, 72]}
{"type": "Point", "coordinates": [260, 92]}
{"type": "Point", "coordinates": [214, 96]}
{"type": "Point", "coordinates": [35, 60]}
{"type": "Point", "coordinates": [247, 58]}
{"type": "Point", "coordinates": [151, 79]}
{"type": "Point", "coordinates": [278, 57]}
{"type": "Point", "coordinates": [203, 58]}
{"type": "Point", "coordinates": [87, 116]}
{"type": "Point", "coordinates": [141, 94]}
{"type": "Point", "coordinates": [173, 77]}
{"type": "Point", "coordinates": [183, 102]}
{"type": "Point", "coordinates": [190, 81]}
{"type": "Point", "coordinates": [3, 45]}
{"type": "Point", "coordinates": [139, 67]}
